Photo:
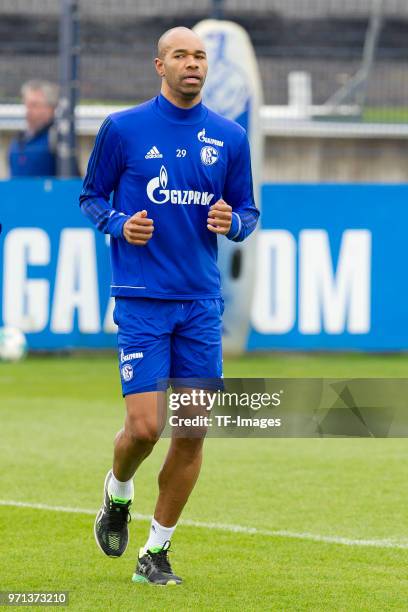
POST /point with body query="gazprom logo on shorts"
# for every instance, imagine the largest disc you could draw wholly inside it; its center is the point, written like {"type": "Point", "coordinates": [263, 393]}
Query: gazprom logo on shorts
{"type": "Point", "coordinates": [158, 193]}
{"type": "Point", "coordinates": [209, 155]}
{"type": "Point", "coordinates": [127, 372]}
{"type": "Point", "coordinates": [130, 356]}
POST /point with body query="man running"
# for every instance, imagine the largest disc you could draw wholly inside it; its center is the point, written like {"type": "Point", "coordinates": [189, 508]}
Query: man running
{"type": "Point", "coordinates": [180, 176]}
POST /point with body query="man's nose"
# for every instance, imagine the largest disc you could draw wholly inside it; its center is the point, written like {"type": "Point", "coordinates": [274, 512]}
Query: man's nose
{"type": "Point", "coordinates": [192, 62]}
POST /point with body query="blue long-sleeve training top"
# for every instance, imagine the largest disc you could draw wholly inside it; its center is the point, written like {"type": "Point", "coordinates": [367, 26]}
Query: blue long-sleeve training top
{"type": "Point", "coordinates": [175, 163]}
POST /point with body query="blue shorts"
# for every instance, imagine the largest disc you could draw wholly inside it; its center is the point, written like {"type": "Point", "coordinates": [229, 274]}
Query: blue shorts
{"type": "Point", "coordinates": [158, 339]}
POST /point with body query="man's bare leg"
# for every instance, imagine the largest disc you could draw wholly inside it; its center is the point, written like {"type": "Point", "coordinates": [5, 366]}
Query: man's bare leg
{"type": "Point", "coordinates": [181, 467]}
{"type": "Point", "coordinates": [145, 418]}
{"type": "Point", "coordinates": [145, 414]}
{"type": "Point", "coordinates": [177, 478]}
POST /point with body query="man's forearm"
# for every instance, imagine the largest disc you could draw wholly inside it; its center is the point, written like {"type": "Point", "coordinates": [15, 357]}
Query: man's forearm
{"type": "Point", "coordinates": [242, 225]}
{"type": "Point", "coordinates": [103, 216]}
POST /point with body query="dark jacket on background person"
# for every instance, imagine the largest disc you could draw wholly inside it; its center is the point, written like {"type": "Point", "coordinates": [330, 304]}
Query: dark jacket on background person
{"type": "Point", "coordinates": [32, 155]}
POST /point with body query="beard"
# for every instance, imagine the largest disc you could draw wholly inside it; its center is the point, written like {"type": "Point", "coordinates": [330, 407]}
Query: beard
{"type": "Point", "coordinates": [191, 93]}
{"type": "Point", "coordinates": [187, 91]}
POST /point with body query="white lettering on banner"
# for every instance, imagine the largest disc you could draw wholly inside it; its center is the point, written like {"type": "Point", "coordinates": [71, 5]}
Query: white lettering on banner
{"type": "Point", "coordinates": [329, 301]}
{"type": "Point", "coordinates": [333, 302]}
{"type": "Point", "coordinates": [25, 301]}
{"type": "Point", "coordinates": [274, 303]}
{"type": "Point", "coordinates": [76, 283]}
{"type": "Point", "coordinates": [293, 283]}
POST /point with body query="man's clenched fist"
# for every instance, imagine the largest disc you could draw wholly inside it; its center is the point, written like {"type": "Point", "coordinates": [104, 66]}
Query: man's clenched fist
{"type": "Point", "coordinates": [138, 229]}
{"type": "Point", "coordinates": [219, 218]}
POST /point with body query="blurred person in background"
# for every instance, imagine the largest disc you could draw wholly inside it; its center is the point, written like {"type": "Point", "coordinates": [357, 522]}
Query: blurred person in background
{"type": "Point", "coordinates": [33, 152]}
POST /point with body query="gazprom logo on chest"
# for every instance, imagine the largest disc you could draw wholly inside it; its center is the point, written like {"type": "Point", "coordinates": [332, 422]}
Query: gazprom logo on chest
{"type": "Point", "coordinates": [158, 193]}
{"type": "Point", "coordinates": [212, 141]}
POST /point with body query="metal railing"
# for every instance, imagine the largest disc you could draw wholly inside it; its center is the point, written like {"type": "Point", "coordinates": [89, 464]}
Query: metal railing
{"type": "Point", "coordinates": [324, 38]}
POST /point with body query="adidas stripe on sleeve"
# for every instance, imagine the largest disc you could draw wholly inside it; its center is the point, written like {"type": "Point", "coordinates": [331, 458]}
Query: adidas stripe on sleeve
{"type": "Point", "coordinates": [238, 193]}
{"type": "Point", "coordinates": [104, 170]}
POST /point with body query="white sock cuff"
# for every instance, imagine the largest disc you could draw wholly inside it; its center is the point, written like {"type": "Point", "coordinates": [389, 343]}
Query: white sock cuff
{"type": "Point", "coordinates": [158, 535]}
{"type": "Point", "coordinates": [117, 488]}
{"type": "Point", "coordinates": [157, 526]}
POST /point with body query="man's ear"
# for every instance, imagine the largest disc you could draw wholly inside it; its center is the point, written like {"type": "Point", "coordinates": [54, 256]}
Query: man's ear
{"type": "Point", "coordinates": [158, 63]}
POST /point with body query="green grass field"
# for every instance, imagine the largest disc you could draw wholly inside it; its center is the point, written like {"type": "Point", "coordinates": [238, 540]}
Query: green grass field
{"type": "Point", "coordinates": [386, 114]}
{"type": "Point", "coordinates": [58, 419]}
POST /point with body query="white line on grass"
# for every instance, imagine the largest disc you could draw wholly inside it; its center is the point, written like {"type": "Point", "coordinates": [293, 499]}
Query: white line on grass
{"type": "Point", "coordinates": [378, 543]}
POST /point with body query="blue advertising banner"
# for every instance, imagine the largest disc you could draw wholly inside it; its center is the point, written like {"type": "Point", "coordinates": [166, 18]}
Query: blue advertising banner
{"type": "Point", "coordinates": [330, 268]}
{"type": "Point", "coordinates": [55, 270]}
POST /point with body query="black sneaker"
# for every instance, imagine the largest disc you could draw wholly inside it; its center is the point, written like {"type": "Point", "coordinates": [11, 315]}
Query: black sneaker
{"type": "Point", "coordinates": [153, 566]}
{"type": "Point", "coordinates": [111, 523]}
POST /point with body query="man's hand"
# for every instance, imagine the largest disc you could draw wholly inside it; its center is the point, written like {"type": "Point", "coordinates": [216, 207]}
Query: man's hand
{"type": "Point", "coordinates": [219, 218]}
{"type": "Point", "coordinates": [138, 229]}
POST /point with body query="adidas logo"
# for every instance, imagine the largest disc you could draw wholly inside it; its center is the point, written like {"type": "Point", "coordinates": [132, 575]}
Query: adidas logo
{"type": "Point", "coordinates": [154, 153]}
